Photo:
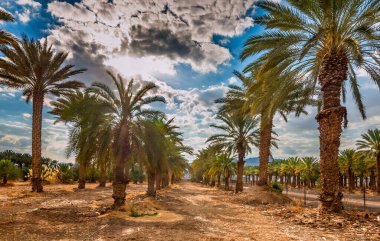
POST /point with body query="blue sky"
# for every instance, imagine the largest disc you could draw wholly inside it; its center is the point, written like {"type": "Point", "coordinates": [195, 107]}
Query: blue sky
{"type": "Point", "coordinates": [188, 48]}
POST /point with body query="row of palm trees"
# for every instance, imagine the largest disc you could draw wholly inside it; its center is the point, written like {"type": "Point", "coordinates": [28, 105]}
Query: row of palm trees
{"type": "Point", "coordinates": [358, 168]}
{"type": "Point", "coordinates": [110, 126]}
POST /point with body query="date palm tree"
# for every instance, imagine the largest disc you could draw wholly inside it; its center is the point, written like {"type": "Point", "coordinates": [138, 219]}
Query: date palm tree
{"type": "Point", "coordinates": [90, 129]}
{"type": "Point", "coordinates": [126, 105]}
{"type": "Point", "coordinates": [369, 145]}
{"type": "Point", "coordinates": [309, 169]}
{"type": "Point", "coordinates": [38, 70]}
{"type": "Point", "coordinates": [270, 94]}
{"type": "Point", "coordinates": [6, 37]}
{"type": "Point", "coordinates": [225, 161]}
{"type": "Point", "coordinates": [328, 40]}
{"type": "Point", "coordinates": [239, 135]}
{"type": "Point", "coordinates": [346, 160]}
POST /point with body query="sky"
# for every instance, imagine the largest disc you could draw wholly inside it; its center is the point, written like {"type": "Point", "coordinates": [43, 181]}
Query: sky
{"type": "Point", "coordinates": [187, 48]}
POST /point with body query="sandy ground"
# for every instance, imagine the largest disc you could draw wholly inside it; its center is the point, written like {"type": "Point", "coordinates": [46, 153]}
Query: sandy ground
{"type": "Point", "coordinates": [185, 211]}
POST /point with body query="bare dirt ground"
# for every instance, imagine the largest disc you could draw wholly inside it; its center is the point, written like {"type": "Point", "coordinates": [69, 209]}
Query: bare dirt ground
{"type": "Point", "coordinates": [184, 211]}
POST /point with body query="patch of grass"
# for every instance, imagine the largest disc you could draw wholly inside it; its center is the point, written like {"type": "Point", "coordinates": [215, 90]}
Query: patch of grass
{"type": "Point", "coordinates": [135, 214]}
{"type": "Point", "coordinates": [277, 187]}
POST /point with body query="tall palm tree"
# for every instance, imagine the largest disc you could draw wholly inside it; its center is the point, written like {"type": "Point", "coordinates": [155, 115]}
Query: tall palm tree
{"type": "Point", "coordinates": [239, 135]}
{"type": "Point", "coordinates": [346, 159]}
{"type": "Point", "coordinates": [126, 105]}
{"type": "Point", "coordinates": [154, 150]}
{"type": "Point", "coordinates": [328, 40]}
{"type": "Point", "coordinates": [274, 93]}
{"type": "Point", "coordinates": [6, 37]}
{"type": "Point", "coordinates": [38, 70]}
{"type": "Point", "coordinates": [369, 145]}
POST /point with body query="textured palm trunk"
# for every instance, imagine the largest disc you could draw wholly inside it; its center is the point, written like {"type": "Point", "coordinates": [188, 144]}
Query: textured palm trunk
{"type": "Point", "coordinates": [227, 183]}
{"type": "Point", "coordinates": [299, 180]}
{"type": "Point", "coordinates": [172, 179]}
{"type": "Point", "coordinates": [378, 172]}
{"type": "Point", "coordinates": [103, 174]}
{"type": "Point", "coordinates": [218, 181]}
{"type": "Point", "coordinates": [158, 180]}
{"type": "Point", "coordinates": [264, 149]}
{"type": "Point", "coordinates": [119, 183]}
{"type": "Point", "coordinates": [5, 179]}
{"type": "Point", "coordinates": [332, 74]}
{"type": "Point", "coordinates": [372, 180]}
{"type": "Point", "coordinates": [38, 100]}
{"type": "Point", "coordinates": [151, 178]}
{"type": "Point", "coordinates": [82, 175]}
{"type": "Point", "coordinates": [240, 170]}
{"type": "Point", "coordinates": [294, 180]}
{"type": "Point", "coordinates": [165, 179]}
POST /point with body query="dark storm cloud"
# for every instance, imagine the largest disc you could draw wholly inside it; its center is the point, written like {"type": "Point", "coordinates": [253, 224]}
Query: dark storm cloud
{"type": "Point", "coordinates": [163, 42]}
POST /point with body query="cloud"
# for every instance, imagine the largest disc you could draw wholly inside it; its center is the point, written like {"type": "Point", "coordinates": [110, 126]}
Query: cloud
{"type": "Point", "coordinates": [167, 32]}
{"type": "Point", "coordinates": [31, 3]}
{"type": "Point", "coordinates": [24, 16]}
{"type": "Point", "coordinates": [26, 115]}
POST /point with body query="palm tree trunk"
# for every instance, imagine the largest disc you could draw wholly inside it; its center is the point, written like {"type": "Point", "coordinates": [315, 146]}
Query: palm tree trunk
{"type": "Point", "coordinates": [172, 179]}
{"type": "Point", "coordinates": [351, 180]}
{"type": "Point", "coordinates": [264, 149]}
{"type": "Point", "coordinates": [119, 183]}
{"type": "Point", "coordinates": [299, 180]}
{"type": "Point", "coordinates": [5, 179]}
{"type": "Point", "coordinates": [158, 180]}
{"type": "Point", "coordinates": [294, 180]}
{"type": "Point", "coordinates": [227, 183]}
{"type": "Point", "coordinates": [218, 183]}
{"type": "Point", "coordinates": [38, 100]}
{"type": "Point", "coordinates": [82, 175]}
{"type": "Point", "coordinates": [378, 172]}
{"type": "Point", "coordinates": [240, 171]}
{"type": "Point", "coordinates": [151, 178]}
{"type": "Point", "coordinates": [103, 174]}
{"type": "Point", "coordinates": [333, 73]}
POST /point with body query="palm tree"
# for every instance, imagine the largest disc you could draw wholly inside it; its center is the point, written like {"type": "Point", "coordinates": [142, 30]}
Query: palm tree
{"type": "Point", "coordinates": [226, 162]}
{"type": "Point", "coordinates": [90, 129]}
{"type": "Point", "coordinates": [369, 145]}
{"type": "Point", "coordinates": [154, 148]}
{"type": "Point", "coordinates": [327, 40]}
{"type": "Point", "coordinates": [126, 105]}
{"type": "Point", "coordinates": [310, 169]}
{"type": "Point", "coordinates": [36, 69]}
{"type": "Point", "coordinates": [6, 37]}
{"type": "Point", "coordinates": [346, 159]}
{"type": "Point", "coordinates": [239, 136]}
{"type": "Point", "coordinates": [270, 94]}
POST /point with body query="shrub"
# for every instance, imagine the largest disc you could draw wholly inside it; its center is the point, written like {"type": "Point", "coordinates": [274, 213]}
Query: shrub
{"type": "Point", "coordinates": [93, 175]}
{"type": "Point", "coordinates": [65, 173]}
{"type": "Point", "coordinates": [48, 175]}
{"type": "Point", "coordinates": [8, 171]}
{"type": "Point", "coordinates": [137, 176]}
{"type": "Point", "coordinates": [278, 187]}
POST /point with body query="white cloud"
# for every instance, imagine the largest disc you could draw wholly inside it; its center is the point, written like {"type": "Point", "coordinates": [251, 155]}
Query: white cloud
{"type": "Point", "coordinates": [130, 66]}
{"type": "Point", "coordinates": [26, 115]}
{"type": "Point", "coordinates": [30, 3]}
{"type": "Point", "coordinates": [24, 16]}
{"type": "Point", "coordinates": [233, 80]}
